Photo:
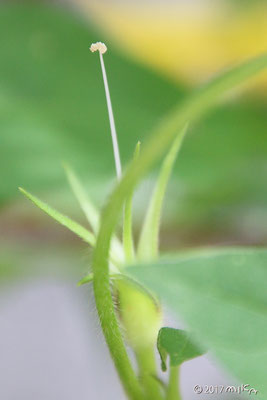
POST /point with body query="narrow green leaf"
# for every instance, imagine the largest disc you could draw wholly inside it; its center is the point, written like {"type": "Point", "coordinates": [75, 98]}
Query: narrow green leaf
{"type": "Point", "coordinates": [87, 279]}
{"type": "Point", "coordinates": [177, 344]}
{"type": "Point", "coordinates": [149, 238]}
{"type": "Point", "coordinates": [222, 297]}
{"type": "Point", "coordinates": [91, 213]}
{"type": "Point", "coordinates": [128, 242]}
{"type": "Point", "coordinates": [90, 277]}
{"type": "Point", "coordinates": [73, 226]}
{"type": "Point", "coordinates": [85, 203]}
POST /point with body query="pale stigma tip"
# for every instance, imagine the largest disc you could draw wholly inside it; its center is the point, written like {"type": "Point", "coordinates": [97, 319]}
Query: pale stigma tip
{"type": "Point", "coordinates": [98, 46]}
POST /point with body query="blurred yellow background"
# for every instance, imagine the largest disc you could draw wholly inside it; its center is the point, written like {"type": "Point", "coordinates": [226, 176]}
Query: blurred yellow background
{"type": "Point", "coordinates": [187, 40]}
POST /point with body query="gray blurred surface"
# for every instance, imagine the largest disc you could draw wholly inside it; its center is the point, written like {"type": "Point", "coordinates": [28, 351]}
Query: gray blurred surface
{"type": "Point", "coordinates": [49, 350]}
{"type": "Point", "coordinates": [52, 348]}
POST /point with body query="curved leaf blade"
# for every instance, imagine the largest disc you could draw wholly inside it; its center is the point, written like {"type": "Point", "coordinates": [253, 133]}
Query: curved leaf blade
{"type": "Point", "coordinates": [178, 344]}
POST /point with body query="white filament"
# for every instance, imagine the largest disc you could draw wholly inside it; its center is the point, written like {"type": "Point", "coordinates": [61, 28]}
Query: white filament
{"type": "Point", "coordinates": [102, 49]}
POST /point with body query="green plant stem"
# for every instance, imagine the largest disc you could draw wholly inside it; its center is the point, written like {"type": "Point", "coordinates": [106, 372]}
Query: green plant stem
{"type": "Point", "coordinates": [148, 373]}
{"type": "Point", "coordinates": [194, 107]}
{"type": "Point", "coordinates": [173, 392]}
{"type": "Point", "coordinates": [111, 329]}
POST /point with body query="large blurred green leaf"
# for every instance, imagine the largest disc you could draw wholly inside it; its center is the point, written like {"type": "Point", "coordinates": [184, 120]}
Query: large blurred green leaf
{"type": "Point", "coordinates": [222, 297]}
{"type": "Point", "coordinates": [52, 107]}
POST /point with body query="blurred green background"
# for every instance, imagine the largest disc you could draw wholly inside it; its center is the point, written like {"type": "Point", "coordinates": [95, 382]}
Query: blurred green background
{"type": "Point", "coordinates": [52, 109]}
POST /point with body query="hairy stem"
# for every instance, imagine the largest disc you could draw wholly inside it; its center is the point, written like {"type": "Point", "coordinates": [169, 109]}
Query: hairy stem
{"type": "Point", "coordinates": [112, 331]}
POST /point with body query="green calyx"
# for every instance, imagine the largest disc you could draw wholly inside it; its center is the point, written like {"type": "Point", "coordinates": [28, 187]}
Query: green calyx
{"type": "Point", "coordinates": [139, 313]}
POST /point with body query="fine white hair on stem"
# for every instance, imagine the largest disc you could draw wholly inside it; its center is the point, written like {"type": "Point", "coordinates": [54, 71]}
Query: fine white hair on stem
{"type": "Point", "coordinates": [101, 47]}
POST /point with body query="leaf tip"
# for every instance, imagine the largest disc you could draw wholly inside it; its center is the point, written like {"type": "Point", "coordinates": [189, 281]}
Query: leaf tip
{"type": "Point", "coordinates": [87, 279]}
{"type": "Point", "coordinates": [23, 191]}
{"type": "Point", "coordinates": [137, 150]}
